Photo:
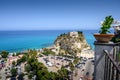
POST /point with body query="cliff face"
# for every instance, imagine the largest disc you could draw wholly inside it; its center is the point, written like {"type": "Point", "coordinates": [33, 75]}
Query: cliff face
{"type": "Point", "coordinates": [71, 43]}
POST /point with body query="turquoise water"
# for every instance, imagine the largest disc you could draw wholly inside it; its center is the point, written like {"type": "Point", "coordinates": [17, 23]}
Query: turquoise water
{"type": "Point", "coordinates": [15, 41]}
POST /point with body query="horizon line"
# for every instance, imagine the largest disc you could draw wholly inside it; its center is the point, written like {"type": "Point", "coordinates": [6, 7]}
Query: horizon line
{"type": "Point", "coordinates": [49, 29]}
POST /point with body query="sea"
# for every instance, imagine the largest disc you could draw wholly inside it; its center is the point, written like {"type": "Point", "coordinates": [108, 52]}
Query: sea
{"type": "Point", "coordinates": [17, 41]}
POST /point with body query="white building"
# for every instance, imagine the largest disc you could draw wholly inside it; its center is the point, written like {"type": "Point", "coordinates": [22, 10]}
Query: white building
{"type": "Point", "coordinates": [74, 34]}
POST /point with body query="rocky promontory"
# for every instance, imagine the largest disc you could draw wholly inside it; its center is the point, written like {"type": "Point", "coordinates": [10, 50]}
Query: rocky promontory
{"type": "Point", "coordinates": [71, 43]}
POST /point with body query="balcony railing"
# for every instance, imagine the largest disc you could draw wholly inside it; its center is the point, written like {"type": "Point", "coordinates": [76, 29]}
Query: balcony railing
{"type": "Point", "coordinates": [112, 64]}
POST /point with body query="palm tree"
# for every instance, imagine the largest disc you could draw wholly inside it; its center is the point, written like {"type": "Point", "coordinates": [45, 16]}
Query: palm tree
{"type": "Point", "coordinates": [66, 52]}
{"type": "Point", "coordinates": [62, 54]}
{"type": "Point", "coordinates": [76, 60]}
{"type": "Point", "coordinates": [53, 53]}
{"type": "Point", "coordinates": [72, 68]}
{"type": "Point", "coordinates": [63, 73]}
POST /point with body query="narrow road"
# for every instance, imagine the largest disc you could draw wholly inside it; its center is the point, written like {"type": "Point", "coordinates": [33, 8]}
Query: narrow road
{"type": "Point", "coordinates": [89, 69]}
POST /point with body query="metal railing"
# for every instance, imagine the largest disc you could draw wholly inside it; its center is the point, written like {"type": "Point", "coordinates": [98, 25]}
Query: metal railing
{"type": "Point", "coordinates": [112, 66]}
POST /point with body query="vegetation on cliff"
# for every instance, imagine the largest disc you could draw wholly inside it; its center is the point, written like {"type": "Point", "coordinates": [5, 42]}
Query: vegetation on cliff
{"type": "Point", "coordinates": [71, 43]}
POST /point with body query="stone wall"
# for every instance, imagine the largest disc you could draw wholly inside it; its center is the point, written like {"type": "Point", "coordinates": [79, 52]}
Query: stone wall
{"type": "Point", "coordinates": [100, 58]}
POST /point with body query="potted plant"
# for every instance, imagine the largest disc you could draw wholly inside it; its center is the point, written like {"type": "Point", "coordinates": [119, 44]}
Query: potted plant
{"type": "Point", "coordinates": [104, 30]}
{"type": "Point", "coordinates": [116, 26]}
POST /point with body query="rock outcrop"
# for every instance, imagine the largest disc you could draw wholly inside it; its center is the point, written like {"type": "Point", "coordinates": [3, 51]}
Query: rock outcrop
{"type": "Point", "coordinates": [71, 43]}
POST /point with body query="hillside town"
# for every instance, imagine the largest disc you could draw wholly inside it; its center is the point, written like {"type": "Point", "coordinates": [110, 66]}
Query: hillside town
{"type": "Point", "coordinates": [64, 61]}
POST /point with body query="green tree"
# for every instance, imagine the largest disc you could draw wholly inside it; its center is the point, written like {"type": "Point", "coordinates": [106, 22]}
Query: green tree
{"type": "Point", "coordinates": [47, 52]}
{"type": "Point", "coordinates": [53, 76]}
{"type": "Point", "coordinates": [45, 75]}
{"type": "Point", "coordinates": [4, 54]}
{"type": "Point", "coordinates": [18, 61]}
{"type": "Point", "coordinates": [18, 53]}
{"type": "Point", "coordinates": [13, 63]}
{"type": "Point", "coordinates": [63, 73]}
{"type": "Point", "coordinates": [30, 76]}
{"type": "Point", "coordinates": [62, 54]}
{"type": "Point", "coordinates": [31, 60]}
{"type": "Point", "coordinates": [76, 60]}
{"type": "Point", "coordinates": [72, 68]}
{"type": "Point", "coordinates": [23, 59]}
{"type": "Point", "coordinates": [13, 54]}
{"type": "Point", "coordinates": [32, 53]}
{"type": "Point", "coordinates": [42, 73]}
{"type": "Point", "coordinates": [43, 78]}
{"type": "Point", "coordinates": [38, 68]}
{"type": "Point", "coordinates": [41, 66]}
{"type": "Point", "coordinates": [14, 72]}
{"type": "Point", "coordinates": [27, 68]}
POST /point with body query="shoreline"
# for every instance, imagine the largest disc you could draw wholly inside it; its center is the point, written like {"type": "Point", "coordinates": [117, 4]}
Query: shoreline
{"type": "Point", "coordinates": [19, 41]}
{"type": "Point", "coordinates": [38, 47]}
{"type": "Point", "coordinates": [86, 52]}
{"type": "Point", "coordinates": [25, 50]}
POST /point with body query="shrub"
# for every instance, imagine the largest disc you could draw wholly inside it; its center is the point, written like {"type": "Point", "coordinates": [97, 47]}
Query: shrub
{"type": "Point", "coordinates": [30, 76]}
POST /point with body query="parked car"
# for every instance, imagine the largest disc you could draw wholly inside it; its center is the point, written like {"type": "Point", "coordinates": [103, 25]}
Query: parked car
{"type": "Point", "coordinates": [49, 64]}
{"type": "Point", "coordinates": [82, 63]}
{"type": "Point", "coordinates": [67, 59]}
{"type": "Point", "coordinates": [84, 59]}
{"type": "Point", "coordinates": [92, 61]}
{"type": "Point", "coordinates": [81, 58]}
{"type": "Point", "coordinates": [46, 60]}
{"type": "Point", "coordinates": [83, 69]}
{"type": "Point", "coordinates": [87, 73]}
{"type": "Point", "coordinates": [66, 66]}
{"type": "Point", "coordinates": [79, 66]}
{"type": "Point", "coordinates": [91, 58]}
{"type": "Point", "coordinates": [59, 57]}
{"type": "Point", "coordinates": [52, 57]}
{"type": "Point", "coordinates": [58, 63]}
{"type": "Point", "coordinates": [62, 60]}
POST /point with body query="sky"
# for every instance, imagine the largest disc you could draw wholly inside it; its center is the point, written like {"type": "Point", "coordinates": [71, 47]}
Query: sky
{"type": "Point", "coordinates": [56, 14]}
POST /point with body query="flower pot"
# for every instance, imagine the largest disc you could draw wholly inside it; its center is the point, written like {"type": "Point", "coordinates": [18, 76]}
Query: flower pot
{"type": "Point", "coordinates": [104, 38]}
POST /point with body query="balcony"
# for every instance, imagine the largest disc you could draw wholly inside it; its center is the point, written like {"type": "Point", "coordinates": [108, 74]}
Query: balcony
{"type": "Point", "coordinates": [112, 66]}
{"type": "Point", "coordinates": [107, 61]}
